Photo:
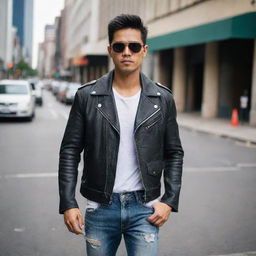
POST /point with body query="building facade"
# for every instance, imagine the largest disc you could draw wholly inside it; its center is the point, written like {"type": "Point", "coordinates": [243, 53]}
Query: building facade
{"type": "Point", "coordinates": [79, 30]}
{"type": "Point", "coordinates": [49, 48]}
{"type": "Point", "coordinates": [6, 44]}
{"type": "Point", "coordinates": [17, 48]}
{"type": "Point", "coordinates": [40, 60]}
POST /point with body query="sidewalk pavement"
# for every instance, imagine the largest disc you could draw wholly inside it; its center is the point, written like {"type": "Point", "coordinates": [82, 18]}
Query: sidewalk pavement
{"type": "Point", "coordinates": [217, 126]}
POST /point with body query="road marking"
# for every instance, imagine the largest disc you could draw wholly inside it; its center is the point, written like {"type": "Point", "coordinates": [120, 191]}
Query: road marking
{"type": "Point", "coordinates": [242, 165]}
{"type": "Point", "coordinates": [30, 175]}
{"type": "Point", "coordinates": [19, 229]}
{"type": "Point", "coordinates": [210, 169]}
{"type": "Point", "coordinates": [53, 113]}
{"type": "Point", "coordinates": [33, 175]}
{"type": "Point", "coordinates": [238, 254]}
{"type": "Point", "coordinates": [64, 114]}
{"type": "Point", "coordinates": [237, 167]}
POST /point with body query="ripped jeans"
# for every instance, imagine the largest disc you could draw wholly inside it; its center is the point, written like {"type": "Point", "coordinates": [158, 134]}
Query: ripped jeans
{"type": "Point", "coordinates": [126, 215]}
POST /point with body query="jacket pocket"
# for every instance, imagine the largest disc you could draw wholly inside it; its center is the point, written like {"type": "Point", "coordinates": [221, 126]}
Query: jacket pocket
{"type": "Point", "coordinates": [155, 167]}
{"type": "Point", "coordinates": [153, 121]}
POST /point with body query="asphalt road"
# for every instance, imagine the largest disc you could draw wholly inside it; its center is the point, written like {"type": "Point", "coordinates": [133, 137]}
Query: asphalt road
{"type": "Point", "coordinates": [217, 203]}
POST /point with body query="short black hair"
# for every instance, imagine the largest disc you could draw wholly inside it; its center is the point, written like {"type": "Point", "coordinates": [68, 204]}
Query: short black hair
{"type": "Point", "coordinates": [127, 21]}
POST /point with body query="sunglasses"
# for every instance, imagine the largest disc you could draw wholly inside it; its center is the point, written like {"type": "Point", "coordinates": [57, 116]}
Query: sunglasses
{"type": "Point", "coordinates": [134, 47]}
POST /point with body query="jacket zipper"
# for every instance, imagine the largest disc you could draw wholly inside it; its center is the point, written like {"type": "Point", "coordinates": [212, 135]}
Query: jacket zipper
{"type": "Point", "coordinates": [119, 135]}
{"type": "Point", "coordinates": [137, 156]}
{"type": "Point", "coordinates": [150, 125]}
{"type": "Point", "coordinates": [108, 120]}
{"type": "Point", "coordinates": [146, 120]}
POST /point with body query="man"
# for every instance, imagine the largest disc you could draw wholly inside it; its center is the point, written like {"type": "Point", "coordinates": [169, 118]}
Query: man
{"type": "Point", "coordinates": [244, 106]}
{"type": "Point", "coordinates": [126, 126]}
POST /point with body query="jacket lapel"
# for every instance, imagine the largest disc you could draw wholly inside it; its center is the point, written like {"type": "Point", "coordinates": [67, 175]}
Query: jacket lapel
{"type": "Point", "coordinates": [149, 103]}
{"type": "Point", "coordinates": [106, 103]}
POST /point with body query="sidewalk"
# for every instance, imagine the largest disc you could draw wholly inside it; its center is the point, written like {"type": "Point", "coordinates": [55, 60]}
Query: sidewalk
{"type": "Point", "coordinates": [219, 127]}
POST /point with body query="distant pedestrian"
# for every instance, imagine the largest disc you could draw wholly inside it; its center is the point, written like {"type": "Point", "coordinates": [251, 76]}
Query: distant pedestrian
{"type": "Point", "coordinates": [244, 106]}
{"type": "Point", "coordinates": [126, 125]}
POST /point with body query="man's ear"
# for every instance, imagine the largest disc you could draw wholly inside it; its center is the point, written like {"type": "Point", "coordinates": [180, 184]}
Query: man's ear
{"type": "Point", "coordinates": [145, 50]}
{"type": "Point", "coordinates": [109, 51]}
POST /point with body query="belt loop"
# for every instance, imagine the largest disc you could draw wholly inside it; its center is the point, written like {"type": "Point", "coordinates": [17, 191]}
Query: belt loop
{"type": "Point", "coordinates": [138, 196]}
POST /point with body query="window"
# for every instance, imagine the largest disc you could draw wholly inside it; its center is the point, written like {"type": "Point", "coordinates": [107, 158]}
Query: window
{"type": "Point", "coordinates": [13, 89]}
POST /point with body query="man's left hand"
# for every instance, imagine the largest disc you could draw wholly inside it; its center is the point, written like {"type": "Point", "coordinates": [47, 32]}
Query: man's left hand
{"type": "Point", "coordinates": [161, 214]}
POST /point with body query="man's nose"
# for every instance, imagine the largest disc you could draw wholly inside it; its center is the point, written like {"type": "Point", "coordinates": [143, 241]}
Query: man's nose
{"type": "Point", "coordinates": [126, 51]}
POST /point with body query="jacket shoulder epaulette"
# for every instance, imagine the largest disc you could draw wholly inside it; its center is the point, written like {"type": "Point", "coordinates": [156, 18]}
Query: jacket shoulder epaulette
{"type": "Point", "coordinates": [164, 87]}
{"type": "Point", "coordinates": [89, 83]}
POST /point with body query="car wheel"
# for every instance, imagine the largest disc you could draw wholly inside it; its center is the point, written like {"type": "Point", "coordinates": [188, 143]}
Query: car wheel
{"type": "Point", "coordinates": [30, 118]}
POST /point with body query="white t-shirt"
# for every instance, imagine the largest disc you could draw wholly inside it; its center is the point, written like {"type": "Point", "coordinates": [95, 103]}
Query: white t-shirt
{"type": "Point", "coordinates": [243, 101]}
{"type": "Point", "coordinates": [128, 176]}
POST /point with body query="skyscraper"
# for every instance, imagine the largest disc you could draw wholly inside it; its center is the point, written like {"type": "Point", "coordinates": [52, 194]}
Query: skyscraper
{"type": "Point", "coordinates": [23, 21]}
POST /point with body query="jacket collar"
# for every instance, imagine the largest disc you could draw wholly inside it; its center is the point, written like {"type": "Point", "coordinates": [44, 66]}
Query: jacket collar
{"type": "Point", "coordinates": [148, 106]}
{"type": "Point", "coordinates": [103, 86]}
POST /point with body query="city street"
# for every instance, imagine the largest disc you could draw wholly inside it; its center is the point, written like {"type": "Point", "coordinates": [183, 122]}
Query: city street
{"type": "Point", "coordinates": [217, 204]}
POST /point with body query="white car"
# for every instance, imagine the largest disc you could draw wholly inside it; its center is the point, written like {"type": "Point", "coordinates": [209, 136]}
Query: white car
{"type": "Point", "coordinates": [37, 87]}
{"type": "Point", "coordinates": [39, 93]}
{"type": "Point", "coordinates": [70, 92]}
{"type": "Point", "coordinates": [17, 99]}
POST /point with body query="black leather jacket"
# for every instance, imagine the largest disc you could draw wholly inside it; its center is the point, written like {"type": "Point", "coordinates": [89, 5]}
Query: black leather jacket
{"type": "Point", "coordinates": [93, 126]}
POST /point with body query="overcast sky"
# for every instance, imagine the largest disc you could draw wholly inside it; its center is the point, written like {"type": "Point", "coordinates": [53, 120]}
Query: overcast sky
{"type": "Point", "coordinates": [45, 12]}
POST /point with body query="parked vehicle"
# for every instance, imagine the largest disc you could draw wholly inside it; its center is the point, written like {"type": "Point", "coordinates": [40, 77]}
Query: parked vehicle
{"type": "Point", "coordinates": [62, 91]}
{"type": "Point", "coordinates": [70, 92]}
{"type": "Point", "coordinates": [37, 87]}
{"type": "Point", "coordinates": [47, 84]}
{"type": "Point", "coordinates": [17, 99]}
{"type": "Point", "coordinates": [55, 87]}
{"type": "Point", "coordinates": [39, 93]}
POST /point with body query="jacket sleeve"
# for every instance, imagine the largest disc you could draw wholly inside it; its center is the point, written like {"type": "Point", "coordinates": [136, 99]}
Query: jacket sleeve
{"type": "Point", "coordinates": [173, 154]}
{"type": "Point", "coordinates": [69, 156]}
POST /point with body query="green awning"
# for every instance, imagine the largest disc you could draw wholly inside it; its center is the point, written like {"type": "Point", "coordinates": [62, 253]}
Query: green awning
{"type": "Point", "coordinates": [241, 26]}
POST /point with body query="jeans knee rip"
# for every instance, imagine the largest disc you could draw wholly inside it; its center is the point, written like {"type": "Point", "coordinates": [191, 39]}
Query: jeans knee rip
{"type": "Point", "coordinates": [93, 242]}
{"type": "Point", "coordinates": [149, 238]}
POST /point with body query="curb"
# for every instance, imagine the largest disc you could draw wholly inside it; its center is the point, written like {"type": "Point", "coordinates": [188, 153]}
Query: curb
{"type": "Point", "coordinates": [220, 134]}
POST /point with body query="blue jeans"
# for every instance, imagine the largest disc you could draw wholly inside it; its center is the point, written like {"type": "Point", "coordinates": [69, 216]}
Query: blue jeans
{"type": "Point", "coordinates": [127, 216]}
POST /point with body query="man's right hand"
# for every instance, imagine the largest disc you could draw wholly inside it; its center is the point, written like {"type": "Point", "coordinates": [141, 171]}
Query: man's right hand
{"type": "Point", "coordinates": [74, 221]}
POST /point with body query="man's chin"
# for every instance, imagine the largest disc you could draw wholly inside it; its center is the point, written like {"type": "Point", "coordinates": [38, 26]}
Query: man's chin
{"type": "Point", "coordinates": [128, 70]}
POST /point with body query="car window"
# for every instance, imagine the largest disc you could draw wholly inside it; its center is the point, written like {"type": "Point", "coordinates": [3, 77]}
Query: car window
{"type": "Point", "coordinates": [13, 89]}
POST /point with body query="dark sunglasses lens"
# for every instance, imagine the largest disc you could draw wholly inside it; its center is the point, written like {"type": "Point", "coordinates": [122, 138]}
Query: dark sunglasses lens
{"type": "Point", "coordinates": [135, 47]}
{"type": "Point", "coordinates": [118, 47]}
